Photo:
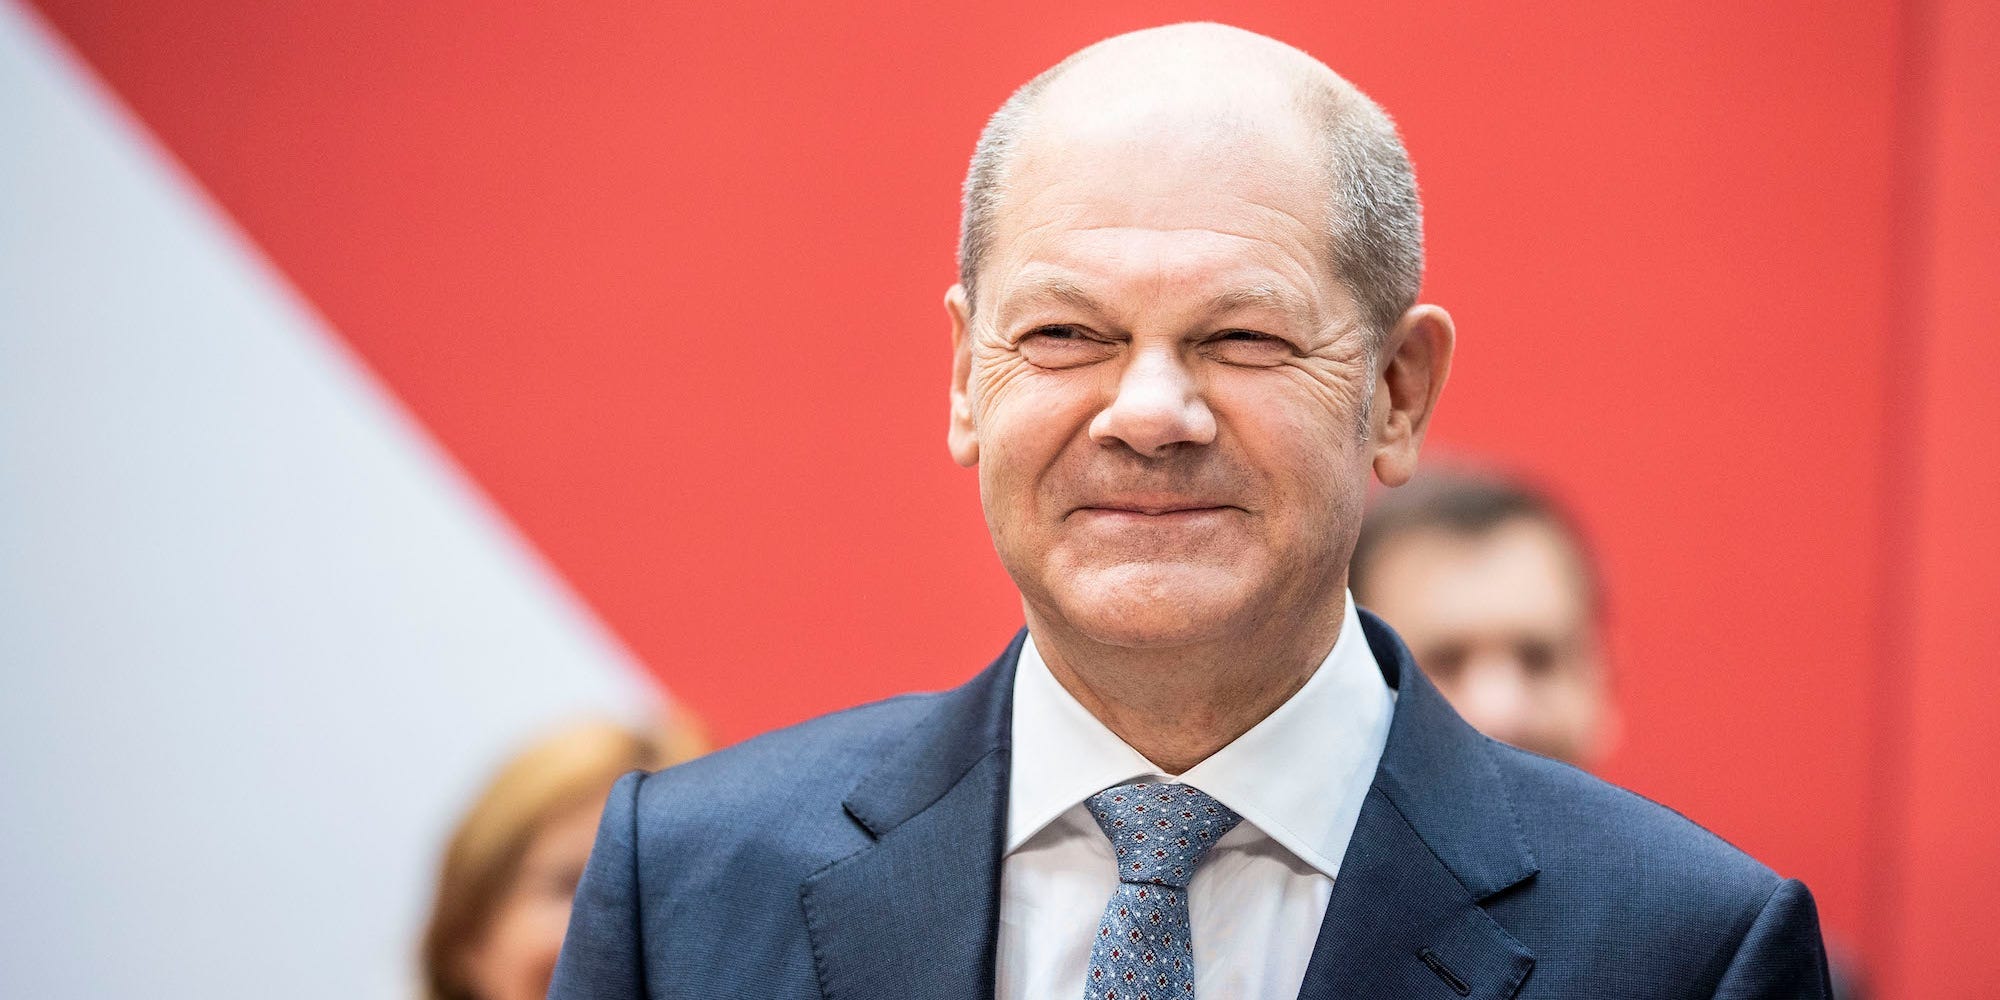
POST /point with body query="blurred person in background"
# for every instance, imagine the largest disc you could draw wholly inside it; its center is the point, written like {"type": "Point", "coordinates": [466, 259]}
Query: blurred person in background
{"type": "Point", "coordinates": [1493, 585]}
{"type": "Point", "coordinates": [1495, 590]}
{"type": "Point", "coordinates": [511, 867]}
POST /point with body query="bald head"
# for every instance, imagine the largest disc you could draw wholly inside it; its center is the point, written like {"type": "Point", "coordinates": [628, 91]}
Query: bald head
{"type": "Point", "coordinates": [1183, 77]}
{"type": "Point", "coordinates": [1210, 91]}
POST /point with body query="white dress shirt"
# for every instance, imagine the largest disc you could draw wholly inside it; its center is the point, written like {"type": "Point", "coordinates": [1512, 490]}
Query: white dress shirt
{"type": "Point", "coordinates": [1297, 778]}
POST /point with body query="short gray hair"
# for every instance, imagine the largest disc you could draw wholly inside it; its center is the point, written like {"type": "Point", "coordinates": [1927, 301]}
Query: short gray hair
{"type": "Point", "coordinates": [1377, 232]}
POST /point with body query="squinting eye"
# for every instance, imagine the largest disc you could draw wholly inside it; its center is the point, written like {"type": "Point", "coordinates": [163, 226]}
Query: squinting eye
{"type": "Point", "coordinates": [1248, 347]}
{"type": "Point", "coordinates": [1062, 347]}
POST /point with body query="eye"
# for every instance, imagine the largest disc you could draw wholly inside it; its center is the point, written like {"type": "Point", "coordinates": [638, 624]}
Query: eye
{"type": "Point", "coordinates": [1540, 656]}
{"type": "Point", "coordinates": [1444, 662]}
{"type": "Point", "coordinates": [1248, 347]}
{"type": "Point", "coordinates": [1062, 346]}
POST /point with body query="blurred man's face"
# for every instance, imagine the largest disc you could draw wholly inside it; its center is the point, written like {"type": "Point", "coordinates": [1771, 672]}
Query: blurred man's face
{"type": "Point", "coordinates": [1501, 623]}
{"type": "Point", "coordinates": [1162, 385]}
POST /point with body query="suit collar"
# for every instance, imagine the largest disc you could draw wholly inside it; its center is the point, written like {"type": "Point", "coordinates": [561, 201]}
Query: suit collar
{"type": "Point", "coordinates": [1442, 776]}
{"type": "Point", "coordinates": [1435, 768]}
{"type": "Point", "coordinates": [1339, 720]}
{"type": "Point", "coordinates": [1437, 835]}
{"type": "Point", "coordinates": [916, 912]}
{"type": "Point", "coordinates": [969, 723]}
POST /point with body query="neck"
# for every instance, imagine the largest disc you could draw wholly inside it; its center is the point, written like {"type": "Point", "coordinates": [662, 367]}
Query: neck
{"type": "Point", "coordinates": [1179, 705]}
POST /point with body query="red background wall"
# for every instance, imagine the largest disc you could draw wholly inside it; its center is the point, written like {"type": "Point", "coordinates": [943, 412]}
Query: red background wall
{"type": "Point", "coordinates": [666, 281]}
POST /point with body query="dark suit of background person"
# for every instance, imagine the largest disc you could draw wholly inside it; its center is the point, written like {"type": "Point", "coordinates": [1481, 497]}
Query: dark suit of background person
{"type": "Point", "coordinates": [1185, 335]}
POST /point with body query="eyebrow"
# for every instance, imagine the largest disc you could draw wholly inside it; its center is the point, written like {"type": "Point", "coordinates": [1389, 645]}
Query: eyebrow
{"type": "Point", "coordinates": [1072, 294]}
{"type": "Point", "coordinates": [1263, 297]}
{"type": "Point", "coordinates": [1061, 290]}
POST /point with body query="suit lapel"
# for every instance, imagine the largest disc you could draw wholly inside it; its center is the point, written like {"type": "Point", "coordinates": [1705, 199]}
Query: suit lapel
{"type": "Point", "coordinates": [916, 913]}
{"type": "Point", "coordinates": [1436, 837]}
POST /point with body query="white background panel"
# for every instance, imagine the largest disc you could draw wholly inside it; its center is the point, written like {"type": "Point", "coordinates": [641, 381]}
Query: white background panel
{"type": "Point", "coordinates": [259, 639]}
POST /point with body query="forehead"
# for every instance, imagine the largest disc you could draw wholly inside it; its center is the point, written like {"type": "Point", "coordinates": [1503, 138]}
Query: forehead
{"type": "Point", "coordinates": [1230, 195]}
{"type": "Point", "coordinates": [1521, 573]}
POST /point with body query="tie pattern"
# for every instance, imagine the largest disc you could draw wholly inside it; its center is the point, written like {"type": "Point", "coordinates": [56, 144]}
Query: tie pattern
{"type": "Point", "coordinates": [1159, 834]}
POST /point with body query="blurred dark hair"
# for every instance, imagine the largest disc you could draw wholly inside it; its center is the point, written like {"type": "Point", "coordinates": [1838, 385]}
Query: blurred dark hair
{"type": "Point", "coordinates": [1468, 504]}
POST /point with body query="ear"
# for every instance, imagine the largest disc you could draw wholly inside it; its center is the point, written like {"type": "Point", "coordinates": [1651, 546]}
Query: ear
{"type": "Point", "coordinates": [1416, 357]}
{"type": "Point", "coordinates": [1607, 727]}
{"type": "Point", "coordinates": [963, 438]}
{"type": "Point", "coordinates": [1609, 732]}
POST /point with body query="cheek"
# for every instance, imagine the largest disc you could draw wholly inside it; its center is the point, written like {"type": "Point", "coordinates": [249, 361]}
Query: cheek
{"type": "Point", "coordinates": [1573, 699]}
{"type": "Point", "coordinates": [1025, 417]}
{"type": "Point", "coordinates": [519, 955]}
{"type": "Point", "coordinates": [1305, 454]}
{"type": "Point", "coordinates": [997, 378]}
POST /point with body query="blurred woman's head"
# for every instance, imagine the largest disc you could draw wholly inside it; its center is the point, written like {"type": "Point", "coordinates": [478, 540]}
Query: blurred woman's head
{"type": "Point", "coordinates": [512, 865]}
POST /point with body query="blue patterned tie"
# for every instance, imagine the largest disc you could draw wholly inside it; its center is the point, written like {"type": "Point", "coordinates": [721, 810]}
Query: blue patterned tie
{"type": "Point", "coordinates": [1159, 833]}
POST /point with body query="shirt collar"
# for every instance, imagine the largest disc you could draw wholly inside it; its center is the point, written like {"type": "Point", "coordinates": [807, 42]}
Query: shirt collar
{"type": "Point", "coordinates": [1299, 776]}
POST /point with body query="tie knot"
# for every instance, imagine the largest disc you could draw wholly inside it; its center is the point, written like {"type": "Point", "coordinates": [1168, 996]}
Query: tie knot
{"type": "Point", "coordinates": [1160, 832]}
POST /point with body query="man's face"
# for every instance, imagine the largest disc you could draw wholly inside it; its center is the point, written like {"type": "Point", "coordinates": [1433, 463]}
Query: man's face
{"type": "Point", "coordinates": [1164, 388]}
{"type": "Point", "coordinates": [1501, 623]}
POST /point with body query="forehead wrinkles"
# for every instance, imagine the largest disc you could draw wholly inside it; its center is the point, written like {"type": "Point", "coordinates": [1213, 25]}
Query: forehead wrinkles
{"type": "Point", "coordinates": [1068, 190]}
{"type": "Point", "coordinates": [1136, 276]}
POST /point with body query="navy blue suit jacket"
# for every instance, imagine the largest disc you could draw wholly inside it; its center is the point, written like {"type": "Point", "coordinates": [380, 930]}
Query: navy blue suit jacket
{"type": "Point", "coordinates": [857, 856]}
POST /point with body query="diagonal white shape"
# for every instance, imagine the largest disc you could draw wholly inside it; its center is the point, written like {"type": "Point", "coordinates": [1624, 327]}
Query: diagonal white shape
{"type": "Point", "coordinates": [259, 638]}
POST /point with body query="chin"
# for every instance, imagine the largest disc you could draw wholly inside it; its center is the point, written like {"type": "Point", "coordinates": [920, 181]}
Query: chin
{"type": "Point", "coordinates": [1151, 606]}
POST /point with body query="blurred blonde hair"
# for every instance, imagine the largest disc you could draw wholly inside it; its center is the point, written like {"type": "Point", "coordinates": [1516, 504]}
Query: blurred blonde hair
{"type": "Point", "coordinates": [569, 768]}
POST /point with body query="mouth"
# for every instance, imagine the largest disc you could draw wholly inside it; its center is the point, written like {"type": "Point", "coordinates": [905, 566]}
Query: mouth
{"type": "Point", "coordinates": [1151, 509]}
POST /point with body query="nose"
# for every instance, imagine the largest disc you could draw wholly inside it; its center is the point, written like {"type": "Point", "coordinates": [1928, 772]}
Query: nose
{"type": "Point", "coordinates": [1492, 694]}
{"type": "Point", "coordinates": [1158, 405]}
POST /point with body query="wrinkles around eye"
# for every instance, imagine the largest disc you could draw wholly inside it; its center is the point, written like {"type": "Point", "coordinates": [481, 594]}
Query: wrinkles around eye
{"type": "Point", "coordinates": [1062, 346]}
{"type": "Point", "coordinates": [1251, 349]}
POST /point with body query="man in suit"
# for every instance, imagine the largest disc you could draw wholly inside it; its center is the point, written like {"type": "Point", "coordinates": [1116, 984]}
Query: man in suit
{"type": "Point", "coordinates": [1185, 333]}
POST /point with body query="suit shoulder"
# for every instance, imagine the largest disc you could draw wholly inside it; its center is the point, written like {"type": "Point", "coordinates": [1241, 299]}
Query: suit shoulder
{"type": "Point", "coordinates": [1577, 822]}
{"type": "Point", "coordinates": [750, 821]}
{"type": "Point", "coordinates": [1622, 880]}
{"type": "Point", "coordinates": [786, 769]}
